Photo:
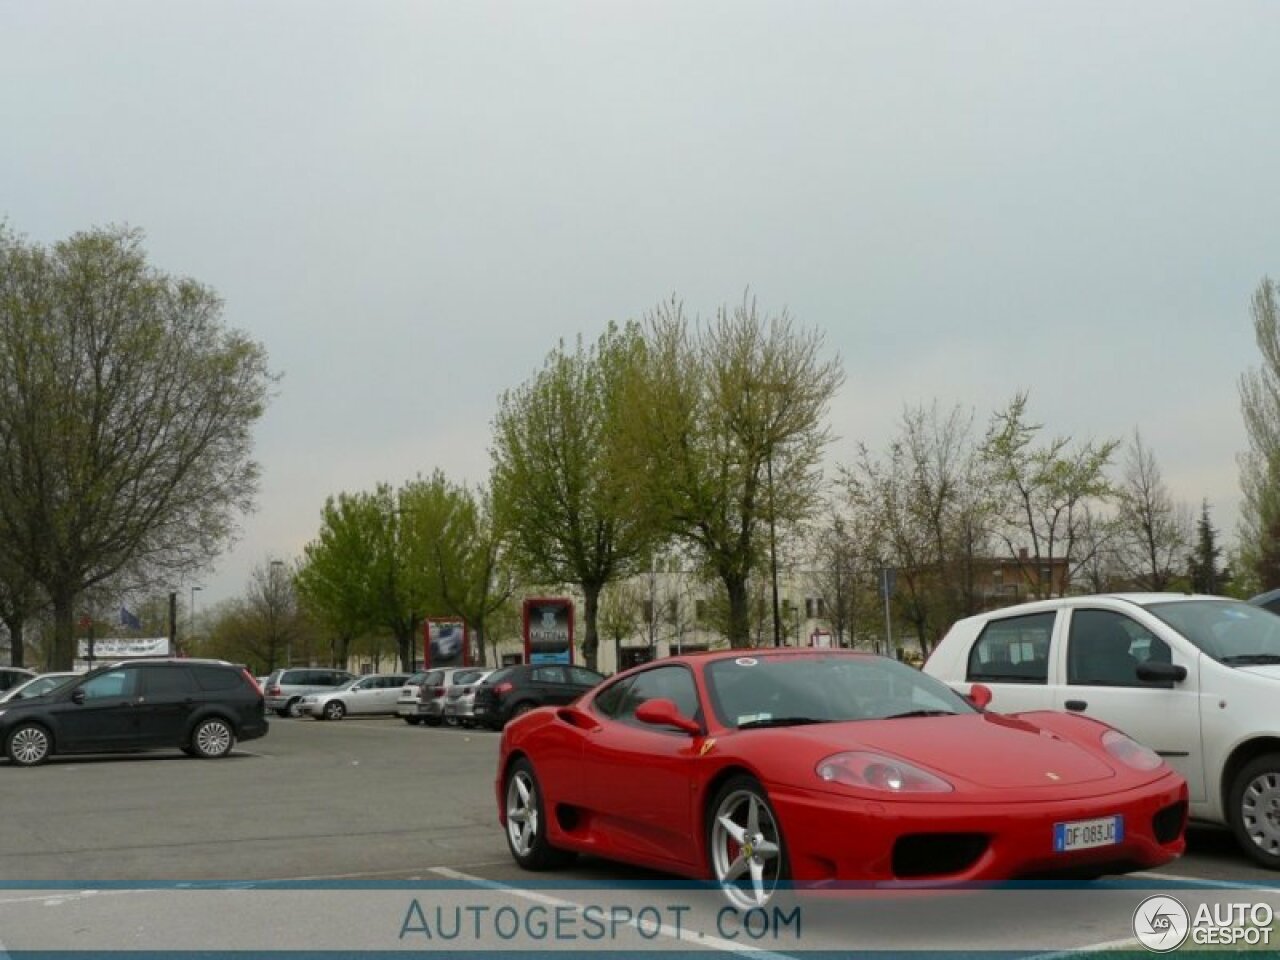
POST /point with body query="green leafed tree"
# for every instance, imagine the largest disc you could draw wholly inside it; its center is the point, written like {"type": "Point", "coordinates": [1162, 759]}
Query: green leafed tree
{"type": "Point", "coordinates": [1045, 492]}
{"type": "Point", "coordinates": [1260, 464]}
{"type": "Point", "coordinates": [457, 540]}
{"type": "Point", "coordinates": [126, 416]}
{"type": "Point", "coordinates": [725, 431]}
{"type": "Point", "coordinates": [335, 578]}
{"type": "Point", "coordinates": [555, 483]}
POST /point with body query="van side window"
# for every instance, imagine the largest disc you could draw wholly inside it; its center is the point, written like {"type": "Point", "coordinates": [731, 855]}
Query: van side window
{"type": "Point", "coordinates": [1104, 649]}
{"type": "Point", "coordinates": [1013, 650]}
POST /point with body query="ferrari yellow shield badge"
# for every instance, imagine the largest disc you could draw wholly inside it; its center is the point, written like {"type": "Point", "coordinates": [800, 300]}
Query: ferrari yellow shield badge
{"type": "Point", "coordinates": [707, 746]}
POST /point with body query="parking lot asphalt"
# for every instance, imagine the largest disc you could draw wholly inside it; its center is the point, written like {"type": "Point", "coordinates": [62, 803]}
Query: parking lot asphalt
{"type": "Point", "coordinates": [311, 799]}
{"type": "Point", "coordinates": [370, 800]}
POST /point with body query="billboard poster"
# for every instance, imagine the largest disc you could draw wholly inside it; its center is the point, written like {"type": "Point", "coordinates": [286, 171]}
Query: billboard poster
{"type": "Point", "coordinates": [445, 643]}
{"type": "Point", "coordinates": [548, 630]}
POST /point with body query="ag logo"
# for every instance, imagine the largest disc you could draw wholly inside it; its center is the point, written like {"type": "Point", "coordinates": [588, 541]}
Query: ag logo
{"type": "Point", "coordinates": [1161, 923]}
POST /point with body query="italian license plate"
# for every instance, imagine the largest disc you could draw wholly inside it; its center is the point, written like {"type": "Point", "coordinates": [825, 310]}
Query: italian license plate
{"type": "Point", "coordinates": [1086, 834]}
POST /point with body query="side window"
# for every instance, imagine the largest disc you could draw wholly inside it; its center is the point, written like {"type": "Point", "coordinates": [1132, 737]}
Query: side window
{"type": "Point", "coordinates": [214, 678]}
{"type": "Point", "coordinates": [548, 675]}
{"type": "Point", "coordinates": [610, 700]}
{"type": "Point", "coordinates": [117, 683]}
{"type": "Point", "coordinates": [584, 677]}
{"type": "Point", "coordinates": [668, 683]}
{"type": "Point", "coordinates": [1104, 649]}
{"type": "Point", "coordinates": [1013, 650]}
{"type": "Point", "coordinates": [167, 682]}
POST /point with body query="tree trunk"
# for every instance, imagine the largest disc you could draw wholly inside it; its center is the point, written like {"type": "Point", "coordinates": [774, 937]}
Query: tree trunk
{"type": "Point", "coordinates": [739, 609]}
{"type": "Point", "coordinates": [17, 651]}
{"type": "Point", "coordinates": [63, 655]}
{"type": "Point", "coordinates": [590, 632]}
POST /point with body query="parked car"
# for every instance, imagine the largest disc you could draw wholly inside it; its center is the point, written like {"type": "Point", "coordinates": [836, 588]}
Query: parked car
{"type": "Point", "coordinates": [432, 693]}
{"type": "Point", "coordinates": [286, 688]}
{"type": "Point", "coordinates": [36, 686]}
{"type": "Point", "coordinates": [460, 698]}
{"type": "Point", "coordinates": [407, 701]}
{"type": "Point", "coordinates": [826, 767]}
{"type": "Point", "coordinates": [372, 694]}
{"type": "Point", "coordinates": [202, 708]}
{"type": "Point", "coordinates": [1268, 601]}
{"type": "Point", "coordinates": [512, 691]}
{"type": "Point", "coordinates": [1196, 678]}
{"type": "Point", "coordinates": [10, 677]}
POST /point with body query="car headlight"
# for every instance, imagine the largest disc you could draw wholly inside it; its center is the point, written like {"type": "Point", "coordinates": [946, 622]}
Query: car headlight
{"type": "Point", "coordinates": [876, 771]}
{"type": "Point", "coordinates": [1130, 752]}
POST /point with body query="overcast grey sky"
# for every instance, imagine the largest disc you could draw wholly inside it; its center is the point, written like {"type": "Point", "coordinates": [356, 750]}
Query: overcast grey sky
{"type": "Point", "coordinates": [409, 203]}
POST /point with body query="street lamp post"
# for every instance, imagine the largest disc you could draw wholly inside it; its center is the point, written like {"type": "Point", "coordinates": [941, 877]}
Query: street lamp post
{"type": "Point", "coordinates": [773, 556]}
{"type": "Point", "coordinates": [271, 606]}
{"type": "Point", "coordinates": [191, 625]}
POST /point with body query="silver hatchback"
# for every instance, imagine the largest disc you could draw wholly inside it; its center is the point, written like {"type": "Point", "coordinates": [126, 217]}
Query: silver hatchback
{"type": "Point", "coordinates": [460, 699]}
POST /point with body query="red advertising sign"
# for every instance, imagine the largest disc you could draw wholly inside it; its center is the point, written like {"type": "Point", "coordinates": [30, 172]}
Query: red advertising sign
{"type": "Point", "coordinates": [445, 643]}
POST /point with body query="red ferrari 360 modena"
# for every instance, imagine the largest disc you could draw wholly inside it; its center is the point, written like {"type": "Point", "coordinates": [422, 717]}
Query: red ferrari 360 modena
{"type": "Point", "coordinates": [823, 768]}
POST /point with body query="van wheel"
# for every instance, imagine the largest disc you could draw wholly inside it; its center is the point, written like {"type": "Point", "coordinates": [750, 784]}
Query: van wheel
{"type": "Point", "coordinates": [28, 745]}
{"type": "Point", "coordinates": [212, 738]}
{"type": "Point", "coordinates": [1254, 809]}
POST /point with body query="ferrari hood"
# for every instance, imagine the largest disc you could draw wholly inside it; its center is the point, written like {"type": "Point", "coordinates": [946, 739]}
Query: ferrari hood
{"type": "Point", "coordinates": [987, 750]}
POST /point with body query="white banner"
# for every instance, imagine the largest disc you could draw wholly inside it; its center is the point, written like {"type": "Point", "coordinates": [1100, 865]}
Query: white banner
{"type": "Point", "coordinates": [114, 648]}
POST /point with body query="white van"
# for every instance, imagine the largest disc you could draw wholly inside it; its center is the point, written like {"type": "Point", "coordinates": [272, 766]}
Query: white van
{"type": "Point", "coordinates": [1196, 678]}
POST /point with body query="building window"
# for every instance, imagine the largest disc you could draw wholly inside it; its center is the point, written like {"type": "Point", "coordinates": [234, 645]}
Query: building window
{"type": "Point", "coordinates": [815, 608]}
{"type": "Point", "coordinates": [700, 609]}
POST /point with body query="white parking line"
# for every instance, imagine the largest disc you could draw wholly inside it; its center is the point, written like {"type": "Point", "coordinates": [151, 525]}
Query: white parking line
{"type": "Point", "coordinates": [675, 933]}
{"type": "Point", "coordinates": [1204, 881]}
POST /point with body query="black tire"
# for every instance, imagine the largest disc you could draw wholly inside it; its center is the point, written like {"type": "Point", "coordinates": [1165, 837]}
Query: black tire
{"type": "Point", "coordinates": [733, 844]}
{"type": "Point", "coordinates": [413, 721]}
{"type": "Point", "coordinates": [1253, 809]}
{"type": "Point", "coordinates": [431, 721]}
{"type": "Point", "coordinates": [212, 738]}
{"type": "Point", "coordinates": [284, 712]}
{"type": "Point", "coordinates": [28, 745]}
{"type": "Point", "coordinates": [333, 710]}
{"type": "Point", "coordinates": [520, 709]}
{"type": "Point", "coordinates": [526, 831]}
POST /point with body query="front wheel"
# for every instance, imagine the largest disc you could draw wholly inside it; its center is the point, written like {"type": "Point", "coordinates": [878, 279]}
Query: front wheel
{"type": "Point", "coordinates": [212, 738]}
{"type": "Point", "coordinates": [334, 710]}
{"type": "Point", "coordinates": [526, 818]}
{"type": "Point", "coordinates": [29, 744]}
{"type": "Point", "coordinates": [1254, 809]}
{"type": "Point", "coordinates": [744, 840]}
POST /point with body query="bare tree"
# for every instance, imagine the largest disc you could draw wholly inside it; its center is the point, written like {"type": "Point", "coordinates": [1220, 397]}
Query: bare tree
{"type": "Point", "coordinates": [1153, 531]}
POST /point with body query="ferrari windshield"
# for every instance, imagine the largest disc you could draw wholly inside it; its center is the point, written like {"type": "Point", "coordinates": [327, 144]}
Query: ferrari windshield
{"type": "Point", "coordinates": [766, 690]}
{"type": "Point", "coordinates": [1231, 632]}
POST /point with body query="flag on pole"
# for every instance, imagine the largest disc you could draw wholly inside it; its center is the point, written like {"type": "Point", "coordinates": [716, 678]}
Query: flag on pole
{"type": "Point", "coordinates": [127, 619]}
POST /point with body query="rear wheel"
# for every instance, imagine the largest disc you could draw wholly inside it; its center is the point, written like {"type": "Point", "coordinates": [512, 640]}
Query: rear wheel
{"type": "Point", "coordinates": [744, 840]}
{"type": "Point", "coordinates": [29, 744]}
{"type": "Point", "coordinates": [520, 709]}
{"type": "Point", "coordinates": [334, 710]}
{"type": "Point", "coordinates": [1254, 809]}
{"type": "Point", "coordinates": [212, 738]}
{"type": "Point", "coordinates": [412, 721]}
{"type": "Point", "coordinates": [526, 818]}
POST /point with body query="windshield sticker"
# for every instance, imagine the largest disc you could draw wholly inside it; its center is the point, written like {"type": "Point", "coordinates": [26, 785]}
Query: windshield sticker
{"type": "Point", "coordinates": [746, 661]}
{"type": "Point", "coordinates": [753, 717]}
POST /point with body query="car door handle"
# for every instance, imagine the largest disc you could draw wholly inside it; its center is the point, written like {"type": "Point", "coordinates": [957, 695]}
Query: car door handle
{"type": "Point", "coordinates": [1077, 705]}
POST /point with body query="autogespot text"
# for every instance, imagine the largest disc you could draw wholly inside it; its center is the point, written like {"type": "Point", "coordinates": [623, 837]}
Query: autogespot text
{"type": "Point", "coordinates": [485, 925]}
